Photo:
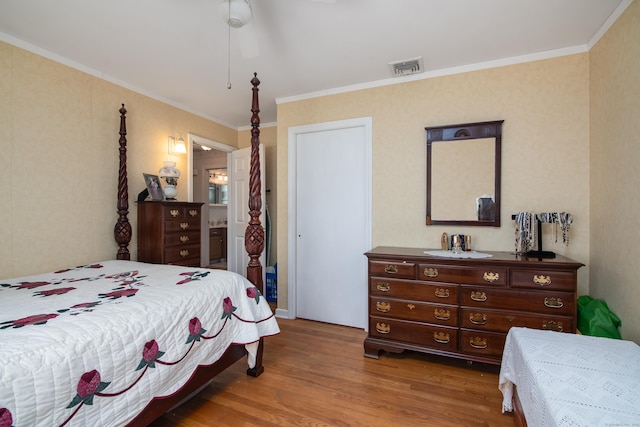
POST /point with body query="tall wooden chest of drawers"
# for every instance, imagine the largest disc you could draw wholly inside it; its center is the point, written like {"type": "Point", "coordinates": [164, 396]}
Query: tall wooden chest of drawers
{"type": "Point", "coordinates": [464, 307]}
{"type": "Point", "coordinates": [169, 233]}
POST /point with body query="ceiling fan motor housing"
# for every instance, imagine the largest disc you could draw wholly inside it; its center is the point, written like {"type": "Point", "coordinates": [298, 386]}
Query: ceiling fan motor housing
{"type": "Point", "coordinates": [236, 13]}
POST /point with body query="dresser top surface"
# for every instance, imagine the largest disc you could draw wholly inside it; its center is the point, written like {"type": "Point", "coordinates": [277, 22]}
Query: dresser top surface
{"type": "Point", "coordinates": [506, 258]}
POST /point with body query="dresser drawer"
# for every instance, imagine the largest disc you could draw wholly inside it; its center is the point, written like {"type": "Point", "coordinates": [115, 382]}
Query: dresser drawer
{"type": "Point", "coordinates": [484, 343]}
{"type": "Point", "coordinates": [472, 275]}
{"type": "Point", "coordinates": [502, 321]}
{"type": "Point", "coordinates": [562, 303]}
{"type": "Point", "coordinates": [182, 225]}
{"type": "Point", "coordinates": [181, 212]}
{"type": "Point", "coordinates": [394, 269]}
{"type": "Point", "coordinates": [441, 293]}
{"type": "Point", "coordinates": [182, 255]}
{"type": "Point", "coordinates": [544, 279]}
{"type": "Point", "coordinates": [182, 238]}
{"type": "Point", "coordinates": [414, 310]}
{"type": "Point", "coordinates": [437, 337]}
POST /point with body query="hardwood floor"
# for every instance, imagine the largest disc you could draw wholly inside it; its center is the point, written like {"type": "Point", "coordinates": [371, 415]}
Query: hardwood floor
{"type": "Point", "coordinates": [316, 375]}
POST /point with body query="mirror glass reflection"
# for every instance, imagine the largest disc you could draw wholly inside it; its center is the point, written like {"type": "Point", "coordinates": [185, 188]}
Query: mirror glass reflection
{"type": "Point", "coordinates": [218, 185]}
{"type": "Point", "coordinates": [462, 173]}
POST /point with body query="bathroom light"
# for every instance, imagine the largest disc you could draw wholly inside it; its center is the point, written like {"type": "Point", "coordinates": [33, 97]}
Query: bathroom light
{"type": "Point", "coordinates": [177, 146]}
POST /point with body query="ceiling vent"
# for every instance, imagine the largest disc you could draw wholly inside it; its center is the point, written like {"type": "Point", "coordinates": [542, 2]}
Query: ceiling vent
{"type": "Point", "coordinates": [406, 67]}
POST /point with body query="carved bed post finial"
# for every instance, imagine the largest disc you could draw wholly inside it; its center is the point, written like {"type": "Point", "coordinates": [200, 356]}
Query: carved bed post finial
{"type": "Point", "coordinates": [254, 236]}
{"type": "Point", "coordinates": [122, 230]}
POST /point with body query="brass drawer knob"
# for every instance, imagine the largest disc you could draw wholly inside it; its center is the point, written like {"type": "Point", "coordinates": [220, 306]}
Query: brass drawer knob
{"type": "Point", "coordinates": [442, 293]}
{"type": "Point", "coordinates": [193, 212]}
{"type": "Point", "coordinates": [184, 253]}
{"type": "Point", "coordinates": [552, 325]}
{"type": "Point", "coordinates": [174, 212]}
{"type": "Point", "coordinates": [391, 269]}
{"type": "Point", "coordinates": [442, 314]}
{"type": "Point", "coordinates": [184, 239]}
{"type": "Point", "coordinates": [478, 296]}
{"type": "Point", "coordinates": [184, 225]}
{"type": "Point", "coordinates": [478, 318]}
{"type": "Point", "coordinates": [383, 306]}
{"type": "Point", "coordinates": [411, 306]}
{"type": "Point", "coordinates": [441, 337]}
{"type": "Point", "coordinates": [490, 277]}
{"type": "Point", "coordinates": [479, 343]}
{"type": "Point", "coordinates": [383, 287]}
{"type": "Point", "coordinates": [383, 328]}
{"type": "Point", "coordinates": [431, 272]}
{"type": "Point", "coordinates": [553, 302]}
{"type": "Point", "coordinates": [542, 280]}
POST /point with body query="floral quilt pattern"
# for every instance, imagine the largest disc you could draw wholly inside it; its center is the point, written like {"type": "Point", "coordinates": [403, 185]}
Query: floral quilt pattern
{"type": "Point", "coordinates": [193, 316]}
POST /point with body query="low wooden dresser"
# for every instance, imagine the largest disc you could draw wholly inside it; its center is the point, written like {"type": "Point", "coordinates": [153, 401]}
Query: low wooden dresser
{"type": "Point", "coordinates": [169, 233]}
{"type": "Point", "coordinates": [464, 307]}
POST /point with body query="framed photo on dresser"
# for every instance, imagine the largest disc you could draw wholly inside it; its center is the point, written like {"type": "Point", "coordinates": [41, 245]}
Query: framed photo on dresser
{"type": "Point", "coordinates": [153, 186]}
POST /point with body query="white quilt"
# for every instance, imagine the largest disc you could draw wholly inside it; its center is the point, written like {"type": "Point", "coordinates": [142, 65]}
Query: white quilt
{"type": "Point", "coordinates": [92, 345]}
{"type": "Point", "coordinates": [571, 380]}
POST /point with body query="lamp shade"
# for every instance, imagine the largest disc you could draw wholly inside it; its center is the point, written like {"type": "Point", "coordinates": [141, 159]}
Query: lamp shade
{"type": "Point", "coordinates": [169, 170]}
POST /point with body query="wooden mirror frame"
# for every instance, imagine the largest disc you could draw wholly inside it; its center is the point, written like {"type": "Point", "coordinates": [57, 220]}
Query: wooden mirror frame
{"type": "Point", "coordinates": [492, 129]}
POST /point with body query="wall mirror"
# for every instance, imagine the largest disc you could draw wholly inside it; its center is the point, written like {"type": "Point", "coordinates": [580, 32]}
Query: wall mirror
{"type": "Point", "coordinates": [218, 187]}
{"type": "Point", "coordinates": [463, 174]}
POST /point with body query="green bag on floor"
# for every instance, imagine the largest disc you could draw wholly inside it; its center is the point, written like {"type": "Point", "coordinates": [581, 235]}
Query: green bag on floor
{"type": "Point", "coordinates": [595, 318]}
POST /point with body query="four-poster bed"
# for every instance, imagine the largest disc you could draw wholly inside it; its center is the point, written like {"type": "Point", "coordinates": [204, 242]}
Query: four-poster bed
{"type": "Point", "coordinates": [121, 342]}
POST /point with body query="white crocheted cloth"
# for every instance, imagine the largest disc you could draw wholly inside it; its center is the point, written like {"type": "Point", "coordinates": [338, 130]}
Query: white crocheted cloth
{"type": "Point", "coordinates": [451, 254]}
{"type": "Point", "coordinates": [571, 380]}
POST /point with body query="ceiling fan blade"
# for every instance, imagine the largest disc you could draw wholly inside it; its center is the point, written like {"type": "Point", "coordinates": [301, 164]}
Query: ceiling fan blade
{"type": "Point", "coordinates": [248, 40]}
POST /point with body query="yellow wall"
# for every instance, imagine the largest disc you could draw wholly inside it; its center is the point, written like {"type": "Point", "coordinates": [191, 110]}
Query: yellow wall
{"type": "Point", "coordinates": [545, 151]}
{"type": "Point", "coordinates": [59, 151]}
{"type": "Point", "coordinates": [615, 174]}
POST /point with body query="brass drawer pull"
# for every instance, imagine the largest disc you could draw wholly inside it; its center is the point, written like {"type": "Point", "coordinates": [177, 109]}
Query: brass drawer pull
{"type": "Point", "coordinates": [479, 296]}
{"type": "Point", "coordinates": [174, 212]}
{"type": "Point", "coordinates": [442, 314]}
{"type": "Point", "coordinates": [479, 343]}
{"type": "Point", "coordinates": [184, 239]}
{"type": "Point", "coordinates": [491, 277]}
{"type": "Point", "coordinates": [542, 280]}
{"type": "Point", "coordinates": [442, 293]}
{"type": "Point", "coordinates": [478, 318]}
{"type": "Point", "coordinates": [184, 225]}
{"type": "Point", "coordinates": [383, 287]}
{"type": "Point", "coordinates": [441, 337]}
{"type": "Point", "coordinates": [431, 272]}
{"type": "Point", "coordinates": [411, 306]}
{"type": "Point", "coordinates": [193, 212]}
{"type": "Point", "coordinates": [184, 253]}
{"type": "Point", "coordinates": [552, 325]}
{"type": "Point", "coordinates": [383, 328]}
{"type": "Point", "coordinates": [383, 307]}
{"type": "Point", "coordinates": [553, 302]}
{"type": "Point", "coordinates": [391, 269]}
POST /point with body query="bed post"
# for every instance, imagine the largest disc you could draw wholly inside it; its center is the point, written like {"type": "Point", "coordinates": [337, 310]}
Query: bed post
{"type": "Point", "coordinates": [254, 235]}
{"type": "Point", "coordinates": [122, 230]}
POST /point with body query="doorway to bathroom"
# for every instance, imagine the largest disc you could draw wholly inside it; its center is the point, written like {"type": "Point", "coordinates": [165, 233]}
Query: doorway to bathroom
{"type": "Point", "coordinates": [208, 163]}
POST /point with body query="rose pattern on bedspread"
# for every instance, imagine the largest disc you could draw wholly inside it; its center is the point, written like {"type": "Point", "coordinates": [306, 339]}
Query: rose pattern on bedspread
{"type": "Point", "coordinates": [125, 283]}
{"type": "Point", "coordinates": [6, 420]}
{"type": "Point", "coordinates": [113, 289]}
{"type": "Point", "coordinates": [91, 385]}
